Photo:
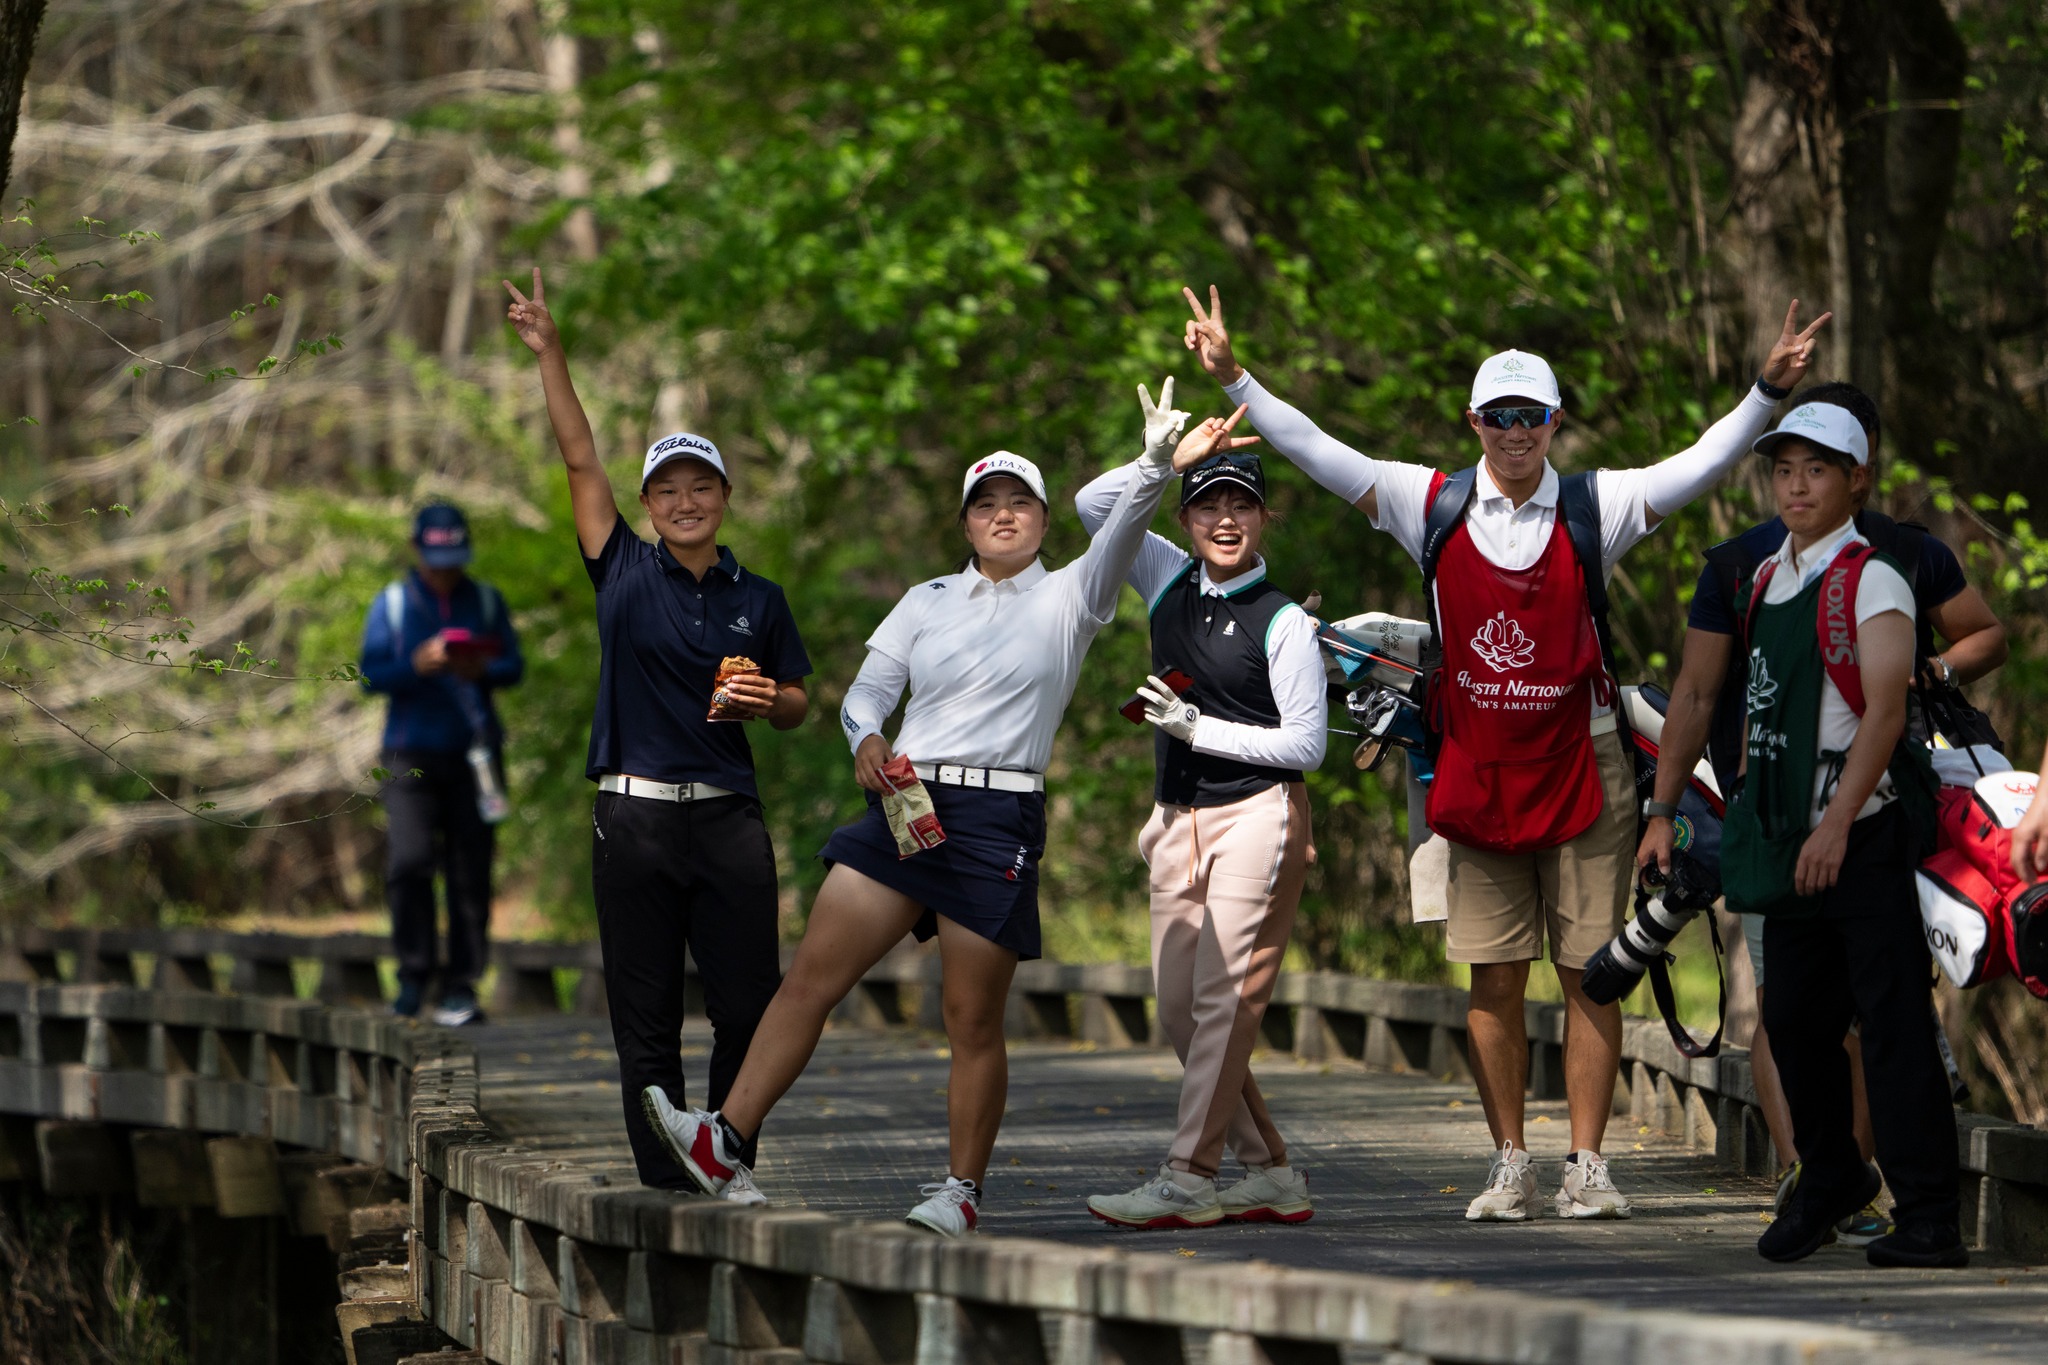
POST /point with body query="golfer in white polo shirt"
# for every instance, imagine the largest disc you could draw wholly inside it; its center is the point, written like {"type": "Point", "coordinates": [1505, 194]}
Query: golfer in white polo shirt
{"type": "Point", "coordinates": [990, 656]}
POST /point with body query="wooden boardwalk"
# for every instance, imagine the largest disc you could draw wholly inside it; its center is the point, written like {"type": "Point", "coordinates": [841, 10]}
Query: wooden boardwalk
{"type": "Point", "coordinates": [1392, 1160]}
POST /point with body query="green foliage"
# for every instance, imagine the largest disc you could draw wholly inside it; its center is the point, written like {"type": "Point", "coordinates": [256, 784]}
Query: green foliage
{"type": "Point", "coordinates": [895, 237]}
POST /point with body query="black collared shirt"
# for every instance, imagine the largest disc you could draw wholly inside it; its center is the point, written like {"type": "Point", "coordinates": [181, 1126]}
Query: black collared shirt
{"type": "Point", "coordinates": [661, 634]}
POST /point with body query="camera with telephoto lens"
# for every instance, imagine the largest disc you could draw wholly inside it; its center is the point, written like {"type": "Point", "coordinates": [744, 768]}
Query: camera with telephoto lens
{"type": "Point", "coordinates": [1664, 906]}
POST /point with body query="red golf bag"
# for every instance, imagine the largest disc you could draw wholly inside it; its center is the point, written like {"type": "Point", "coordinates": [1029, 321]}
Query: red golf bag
{"type": "Point", "coordinates": [1982, 922]}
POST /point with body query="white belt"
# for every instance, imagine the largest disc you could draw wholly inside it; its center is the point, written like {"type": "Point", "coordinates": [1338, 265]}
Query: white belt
{"type": "Point", "coordinates": [626, 785]}
{"type": "Point", "coordinates": [994, 779]}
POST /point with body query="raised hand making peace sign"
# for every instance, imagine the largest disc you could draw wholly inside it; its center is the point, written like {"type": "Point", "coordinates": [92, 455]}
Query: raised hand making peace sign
{"type": "Point", "coordinates": [1207, 338]}
{"type": "Point", "coordinates": [1793, 353]}
{"type": "Point", "coordinates": [1209, 439]}
{"type": "Point", "coordinates": [530, 317]}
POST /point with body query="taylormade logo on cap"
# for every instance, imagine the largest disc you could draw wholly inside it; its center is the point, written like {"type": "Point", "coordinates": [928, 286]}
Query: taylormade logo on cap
{"type": "Point", "coordinates": [680, 446]}
{"type": "Point", "coordinates": [1824, 425]}
{"type": "Point", "coordinates": [1515, 374]}
{"type": "Point", "coordinates": [1003, 462]}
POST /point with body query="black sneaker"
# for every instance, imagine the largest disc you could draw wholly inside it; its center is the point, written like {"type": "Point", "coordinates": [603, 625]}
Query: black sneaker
{"type": "Point", "coordinates": [1808, 1221]}
{"type": "Point", "coordinates": [1919, 1244]}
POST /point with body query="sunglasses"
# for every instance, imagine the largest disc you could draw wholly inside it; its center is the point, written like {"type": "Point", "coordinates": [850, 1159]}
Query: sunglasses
{"type": "Point", "coordinates": [1504, 419]}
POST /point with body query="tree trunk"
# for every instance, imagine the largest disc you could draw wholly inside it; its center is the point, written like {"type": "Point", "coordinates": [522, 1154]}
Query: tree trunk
{"type": "Point", "coordinates": [1928, 368]}
{"type": "Point", "coordinates": [1861, 81]}
{"type": "Point", "coordinates": [19, 20]}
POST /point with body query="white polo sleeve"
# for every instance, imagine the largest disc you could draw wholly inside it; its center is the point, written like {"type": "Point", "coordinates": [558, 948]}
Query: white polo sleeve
{"type": "Point", "coordinates": [875, 690]}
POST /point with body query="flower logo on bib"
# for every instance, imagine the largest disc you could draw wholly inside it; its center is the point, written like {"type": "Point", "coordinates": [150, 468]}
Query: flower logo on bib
{"type": "Point", "coordinates": [1763, 688]}
{"type": "Point", "coordinates": [1501, 644]}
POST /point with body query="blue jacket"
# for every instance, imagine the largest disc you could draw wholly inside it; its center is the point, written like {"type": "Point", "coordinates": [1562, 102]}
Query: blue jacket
{"type": "Point", "coordinates": [437, 714]}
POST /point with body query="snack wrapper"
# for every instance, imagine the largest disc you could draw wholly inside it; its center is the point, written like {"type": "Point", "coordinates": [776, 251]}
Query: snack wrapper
{"type": "Point", "coordinates": [908, 807]}
{"type": "Point", "coordinates": [730, 667]}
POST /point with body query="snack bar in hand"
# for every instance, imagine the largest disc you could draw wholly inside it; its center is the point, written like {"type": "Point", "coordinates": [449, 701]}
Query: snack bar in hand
{"type": "Point", "coordinates": [908, 807]}
{"type": "Point", "coordinates": [730, 667]}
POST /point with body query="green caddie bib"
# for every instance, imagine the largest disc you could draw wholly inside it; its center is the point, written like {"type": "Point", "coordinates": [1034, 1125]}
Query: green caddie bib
{"type": "Point", "coordinates": [1771, 817]}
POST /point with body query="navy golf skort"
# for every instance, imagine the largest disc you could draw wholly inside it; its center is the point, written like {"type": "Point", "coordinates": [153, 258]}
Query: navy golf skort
{"type": "Point", "coordinates": [984, 877]}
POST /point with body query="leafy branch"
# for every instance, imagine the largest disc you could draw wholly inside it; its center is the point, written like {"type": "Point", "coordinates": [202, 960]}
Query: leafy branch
{"type": "Point", "coordinates": [42, 280]}
{"type": "Point", "coordinates": [91, 613]}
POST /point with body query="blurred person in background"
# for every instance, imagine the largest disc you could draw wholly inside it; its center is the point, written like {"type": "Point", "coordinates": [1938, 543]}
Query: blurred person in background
{"type": "Point", "coordinates": [439, 643]}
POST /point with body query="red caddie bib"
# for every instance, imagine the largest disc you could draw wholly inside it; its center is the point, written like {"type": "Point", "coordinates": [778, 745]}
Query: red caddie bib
{"type": "Point", "coordinates": [1521, 668]}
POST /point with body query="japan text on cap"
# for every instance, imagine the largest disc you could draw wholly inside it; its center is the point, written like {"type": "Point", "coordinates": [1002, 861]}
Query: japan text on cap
{"type": "Point", "coordinates": [1515, 374]}
{"type": "Point", "coordinates": [1822, 425]}
{"type": "Point", "coordinates": [681, 446]}
{"type": "Point", "coordinates": [1242, 469]}
{"type": "Point", "coordinates": [441, 535]}
{"type": "Point", "coordinates": [1003, 462]}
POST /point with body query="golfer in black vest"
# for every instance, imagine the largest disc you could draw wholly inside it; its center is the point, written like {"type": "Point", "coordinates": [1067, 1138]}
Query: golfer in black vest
{"type": "Point", "coordinates": [680, 854]}
{"type": "Point", "coordinates": [1228, 841]}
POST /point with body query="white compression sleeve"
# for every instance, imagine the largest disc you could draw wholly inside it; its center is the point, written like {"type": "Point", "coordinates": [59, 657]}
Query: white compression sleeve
{"type": "Point", "coordinates": [1321, 456]}
{"type": "Point", "coordinates": [1671, 484]}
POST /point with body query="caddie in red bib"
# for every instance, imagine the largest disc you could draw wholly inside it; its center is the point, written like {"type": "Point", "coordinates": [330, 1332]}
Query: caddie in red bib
{"type": "Point", "coordinates": [1533, 789]}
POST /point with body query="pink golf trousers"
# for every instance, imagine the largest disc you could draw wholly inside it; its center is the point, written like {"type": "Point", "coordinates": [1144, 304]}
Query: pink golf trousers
{"type": "Point", "coordinates": [1225, 884]}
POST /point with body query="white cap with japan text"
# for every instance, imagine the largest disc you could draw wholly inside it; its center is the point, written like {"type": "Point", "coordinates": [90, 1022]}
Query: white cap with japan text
{"type": "Point", "coordinates": [1003, 462]}
{"type": "Point", "coordinates": [681, 445]}
{"type": "Point", "coordinates": [1515, 374]}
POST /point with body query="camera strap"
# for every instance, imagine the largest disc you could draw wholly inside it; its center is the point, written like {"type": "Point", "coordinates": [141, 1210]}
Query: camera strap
{"type": "Point", "coordinates": [1667, 1003]}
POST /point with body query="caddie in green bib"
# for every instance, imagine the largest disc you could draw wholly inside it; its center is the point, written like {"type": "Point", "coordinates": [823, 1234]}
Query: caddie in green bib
{"type": "Point", "coordinates": [1795, 646]}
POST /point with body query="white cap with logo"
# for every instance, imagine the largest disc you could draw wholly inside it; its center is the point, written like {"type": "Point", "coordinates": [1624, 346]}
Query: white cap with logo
{"type": "Point", "coordinates": [1818, 424]}
{"type": "Point", "coordinates": [1003, 462]}
{"type": "Point", "coordinates": [681, 445]}
{"type": "Point", "coordinates": [1515, 374]}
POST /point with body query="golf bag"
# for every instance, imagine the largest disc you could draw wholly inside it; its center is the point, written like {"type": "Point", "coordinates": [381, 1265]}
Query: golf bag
{"type": "Point", "coordinates": [1982, 922]}
{"type": "Point", "coordinates": [1382, 664]}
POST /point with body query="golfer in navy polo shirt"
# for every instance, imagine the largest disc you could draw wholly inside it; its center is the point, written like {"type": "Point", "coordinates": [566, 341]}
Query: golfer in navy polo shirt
{"type": "Point", "coordinates": [681, 856]}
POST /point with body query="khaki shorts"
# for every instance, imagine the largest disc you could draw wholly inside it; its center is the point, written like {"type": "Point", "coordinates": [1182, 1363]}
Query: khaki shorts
{"type": "Point", "coordinates": [1503, 905]}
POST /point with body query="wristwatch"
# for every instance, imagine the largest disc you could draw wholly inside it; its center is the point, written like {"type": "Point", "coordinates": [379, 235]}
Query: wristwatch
{"type": "Point", "coordinates": [1655, 810]}
{"type": "Point", "coordinates": [1772, 391]}
{"type": "Point", "coordinates": [1948, 672]}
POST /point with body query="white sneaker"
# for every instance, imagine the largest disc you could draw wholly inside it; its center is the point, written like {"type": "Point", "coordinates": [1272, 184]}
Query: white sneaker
{"type": "Point", "coordinates": [694, 1141]}
{"type": "Point", "coordinates": [951, 1208]}
{"type": "Point", "coordinates": [1161, 1202]}
{"type": "Point", "coordinates": [1588, 1190]}
{"type": "Point", "coordinates": [1510, 1194]}
{"type": "Point", "coordinates": [741, 1189]}
{"type": "Point", "coordinates": [1269, 1194]}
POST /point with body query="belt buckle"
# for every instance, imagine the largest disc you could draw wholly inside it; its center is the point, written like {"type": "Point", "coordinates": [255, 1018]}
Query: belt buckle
{"type": "Point", "coordinates": [974, 777]}
{"type": "Point", "coordinates": [685, 792]}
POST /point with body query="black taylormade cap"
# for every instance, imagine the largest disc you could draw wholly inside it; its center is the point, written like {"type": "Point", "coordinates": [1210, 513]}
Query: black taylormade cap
{"type": "Point", "coordinates": [1241, 468]}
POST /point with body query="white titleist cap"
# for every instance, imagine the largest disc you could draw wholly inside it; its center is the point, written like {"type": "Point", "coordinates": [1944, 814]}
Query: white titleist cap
{"type": "Point", "coordinates": [1515, 374]}
{"type": "Point", "coordinates": [681, 446]}
{"type": "Point", "coordinates": [1818, 424]}
{"type": "Point", "coordinates": [1003, 462]}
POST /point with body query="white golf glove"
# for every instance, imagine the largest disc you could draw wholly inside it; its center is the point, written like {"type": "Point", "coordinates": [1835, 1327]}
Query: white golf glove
{"type": "Point", "coordinates": [1174, 714]}
{"type": "Point", "coordinates": [1163, 425]}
